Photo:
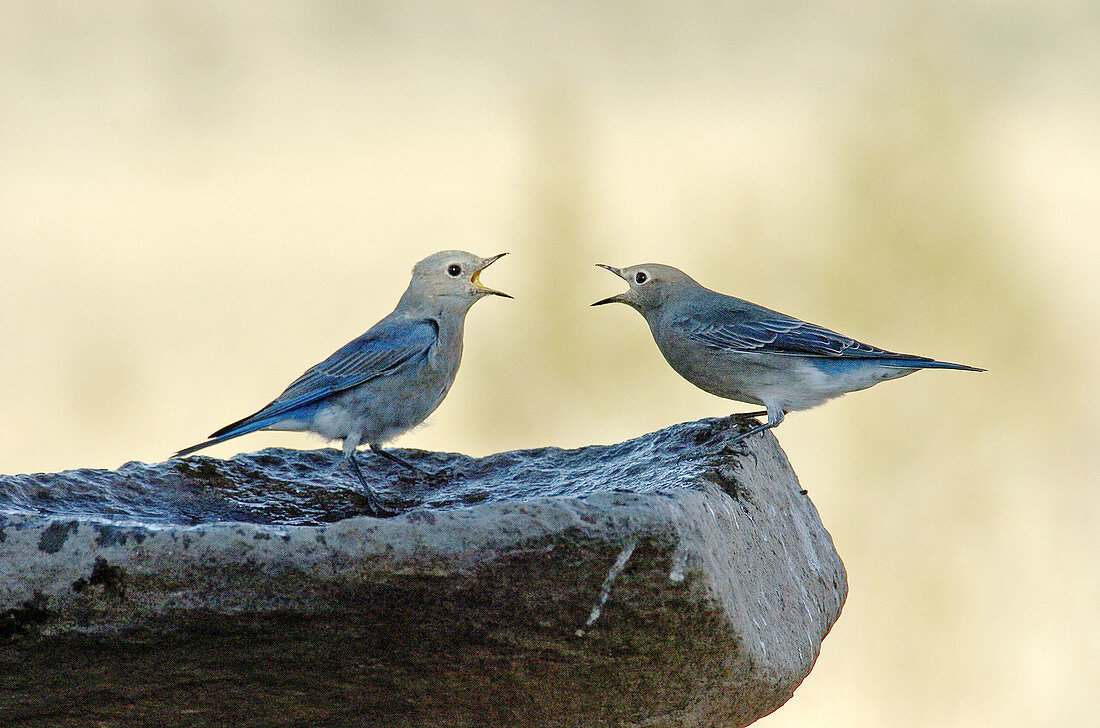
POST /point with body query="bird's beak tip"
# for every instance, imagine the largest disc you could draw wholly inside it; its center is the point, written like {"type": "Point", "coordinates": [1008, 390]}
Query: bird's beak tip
{"type": "Point", "coordinates": [476, 279]}
{"type": "Point", "coordinates": [610, 299]}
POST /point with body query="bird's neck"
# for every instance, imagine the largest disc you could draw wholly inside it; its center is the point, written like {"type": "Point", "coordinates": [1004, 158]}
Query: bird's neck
{"type": "Point", "coordinates": [413, 300]}
{"type": "Point", "coordinates": [415, 304]}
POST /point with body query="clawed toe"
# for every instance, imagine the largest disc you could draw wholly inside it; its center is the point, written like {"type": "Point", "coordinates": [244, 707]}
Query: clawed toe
{"type": "Point", "coordinates": [377, 509]}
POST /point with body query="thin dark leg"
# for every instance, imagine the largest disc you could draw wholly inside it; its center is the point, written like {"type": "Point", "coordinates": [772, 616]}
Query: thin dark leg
{"type": "Point", "coordinates": [752, 431]}
{"type": "Point", "coordinates": [374, 504]}
{"type": "Point", "coordinates": [775, 416]}
{"type": "Point", "coordinates": [393, 458]}
{"type": "Point", "coordinates": [749, 415]}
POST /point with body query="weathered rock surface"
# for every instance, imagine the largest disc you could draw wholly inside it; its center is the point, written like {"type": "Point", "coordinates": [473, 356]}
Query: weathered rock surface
{"type": "Point", "coordinates": [664, 581]}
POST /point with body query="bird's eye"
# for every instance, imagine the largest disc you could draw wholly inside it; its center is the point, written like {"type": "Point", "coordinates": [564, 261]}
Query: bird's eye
{"type": "Point", "coordinates": [641, 277]}
{"type": "Point", "coordinates": [454, 269]}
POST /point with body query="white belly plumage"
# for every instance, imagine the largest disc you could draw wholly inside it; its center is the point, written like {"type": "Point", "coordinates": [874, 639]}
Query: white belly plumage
{"type": "Point", "coordinates": [789, 383]}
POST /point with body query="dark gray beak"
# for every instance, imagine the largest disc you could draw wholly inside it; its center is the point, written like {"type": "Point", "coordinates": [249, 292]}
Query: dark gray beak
{"type": "Point", "coordinates": [610, 299]}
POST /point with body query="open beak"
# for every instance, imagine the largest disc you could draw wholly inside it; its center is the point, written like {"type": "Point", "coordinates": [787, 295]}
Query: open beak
{"type": "Point", "coordinates": [611, 299]}
{"type": "Point", "coordinates": [476, 278]}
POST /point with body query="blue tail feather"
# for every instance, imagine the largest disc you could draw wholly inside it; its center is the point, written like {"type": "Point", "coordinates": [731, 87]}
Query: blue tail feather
{"type": "Point", "coordinates": [223, 434]}
{"type": "Point", "coordinates": [919, 362]}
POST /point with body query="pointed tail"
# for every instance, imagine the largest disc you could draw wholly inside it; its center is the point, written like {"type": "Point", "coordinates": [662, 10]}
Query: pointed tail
{"type": "Point", "coordinates": [228, 433]}
{"type": "Point", "coordinates": [919, 362]}
{"type": "Point", "coordinates": [201, 445]}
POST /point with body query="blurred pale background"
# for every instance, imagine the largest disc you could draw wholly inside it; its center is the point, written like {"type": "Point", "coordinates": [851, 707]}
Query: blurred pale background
{"type": "Point", "coordinates": [199, 200]}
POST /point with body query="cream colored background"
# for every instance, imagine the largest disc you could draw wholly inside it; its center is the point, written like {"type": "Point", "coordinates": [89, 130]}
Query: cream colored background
{"type": "Point", "coordinates": [199, 200]}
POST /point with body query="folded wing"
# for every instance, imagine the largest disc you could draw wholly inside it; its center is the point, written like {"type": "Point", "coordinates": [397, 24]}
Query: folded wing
{"type": "Point", "coordinates": [382, 351]}
{"type": "Point", "coordinates": [379, 352]}
{"type": "Point", "coordinates": [763, 331]}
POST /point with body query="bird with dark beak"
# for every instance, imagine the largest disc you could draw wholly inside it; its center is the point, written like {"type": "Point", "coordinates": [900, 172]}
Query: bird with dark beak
{"type": "Point", "coordinates": [388, 380]}
{"type": "Point", "coordinates": [744, 352]}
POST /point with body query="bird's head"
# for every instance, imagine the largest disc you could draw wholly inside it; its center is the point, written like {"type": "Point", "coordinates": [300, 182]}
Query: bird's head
{"type": "Point", "coordinates": [453, 275]}
{"type": "Point", "coordinates": [651, 285]}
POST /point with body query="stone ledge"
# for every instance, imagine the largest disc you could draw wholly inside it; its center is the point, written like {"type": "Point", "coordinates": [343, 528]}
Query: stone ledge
{"type": "Point", "coordinates": [662, 582]}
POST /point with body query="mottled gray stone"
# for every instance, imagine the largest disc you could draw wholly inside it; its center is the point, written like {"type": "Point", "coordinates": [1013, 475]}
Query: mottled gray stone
{"type": "Point", "coordinates": [665, 581]}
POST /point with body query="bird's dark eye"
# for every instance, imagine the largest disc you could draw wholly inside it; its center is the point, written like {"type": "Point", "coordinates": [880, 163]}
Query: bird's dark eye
{"type": "Point", "coordinates": [641, 277]}
{"type": "Point", "coordinates": [454, 269]}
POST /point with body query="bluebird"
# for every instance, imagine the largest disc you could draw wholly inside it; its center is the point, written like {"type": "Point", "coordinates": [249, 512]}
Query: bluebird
{"type": "Point", "coordinates": [388, 380]}
{"type": "Point", "coordinates": [741, 351]}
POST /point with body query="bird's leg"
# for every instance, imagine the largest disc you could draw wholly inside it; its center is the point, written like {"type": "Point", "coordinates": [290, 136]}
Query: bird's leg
{"type": "Point", "coordinates": [377, 449]}
{"type": "Point", "coordinates": [748, 415]}
{"type": "Point", "coordinates": [374, 504]}
{"type": "Point", "coordinates": [750, 432]}
{"type": "Point", "coordinates": [775, 416]}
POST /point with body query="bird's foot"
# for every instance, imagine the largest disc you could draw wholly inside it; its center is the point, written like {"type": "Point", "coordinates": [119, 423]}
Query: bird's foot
{"type": "Point", "coordinates": [448, 472]}
{"type": "Point", "coordinates": [775, 416]}
{"type": "Point", "coordinates": [749, 433]}
{"type": "Point", "coordinates": [415, 473]}
{"type": "Point", "coordinates": [400, 461]}
{"type": "Point", "coordinates": [377, 509]}
{"type": "Point", "coordinates": [375, 506]}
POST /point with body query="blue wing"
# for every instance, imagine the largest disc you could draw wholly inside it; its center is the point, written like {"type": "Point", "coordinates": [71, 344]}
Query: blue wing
{"type": "Point", "coordinates": [785, 337]}
{"type": "Point", "coordinates": [383, 350]}
{"type": "Point", "coordinates": [748, 328]}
